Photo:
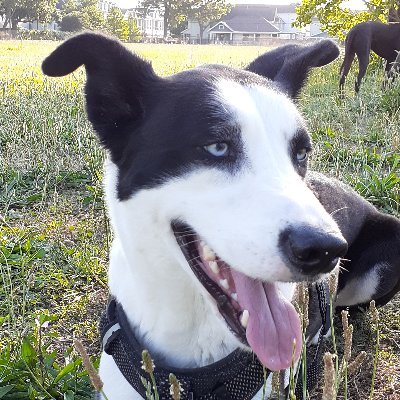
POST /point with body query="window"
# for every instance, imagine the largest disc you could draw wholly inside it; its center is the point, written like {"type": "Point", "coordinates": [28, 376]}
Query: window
{"type": "Point", "coordinates": [221, 26]}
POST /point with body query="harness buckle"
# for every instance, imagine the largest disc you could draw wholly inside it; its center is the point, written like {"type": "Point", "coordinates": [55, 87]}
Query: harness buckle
{"type": "Point", "coordinates": [109, 336]}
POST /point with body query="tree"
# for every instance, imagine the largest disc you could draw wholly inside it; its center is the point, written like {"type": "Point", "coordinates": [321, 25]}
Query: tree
{"type": "Point", "coordinates": [45, 10]}
{"type": "Point", "coordinates": [86, 11]}
{"type": "Point", "coordinates": [205, 11]}
{"type": "Point", "coordinates": [116, 24]}
{"type": "Point", "coordinates": [12, 11]}
{"type": "Point", "coordinates": [337, 20]}
{"type": "Point", "coordinates": [394, 12]}
{"type": "Point", "coordinates": [69, 7]}
{"type": "Point", "coordinates": [91, 17]}
{"type": "Point", "coordinates": [134, 32]}
{"type": "Point", "coordinates": [16, 11]}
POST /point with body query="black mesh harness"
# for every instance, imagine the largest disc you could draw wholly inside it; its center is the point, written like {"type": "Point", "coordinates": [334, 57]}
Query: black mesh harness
{"type": "Point", "coordinates": [239, 376]}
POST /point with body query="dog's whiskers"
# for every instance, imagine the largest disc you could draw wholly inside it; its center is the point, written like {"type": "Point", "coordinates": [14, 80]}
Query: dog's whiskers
{"type": "Point", "coordinates": [341, 268]}
{"type": "Point", "coordinates": [185, 231]}
{"type": "Point", "coordinates": [193, 241]}
{"type": "Point", "coordinates": [185, 236]}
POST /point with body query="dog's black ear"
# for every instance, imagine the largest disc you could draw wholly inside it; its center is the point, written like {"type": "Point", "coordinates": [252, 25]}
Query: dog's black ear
{"type": "Point", "coordinates": [117, 83]}
{"type": "Point", "coordinates": [289, 65]}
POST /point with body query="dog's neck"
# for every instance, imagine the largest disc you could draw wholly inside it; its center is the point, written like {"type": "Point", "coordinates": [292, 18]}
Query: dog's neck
{"type": "Point", "coordinates": [165, 305]}
{"type": "Point", "coordinates": [165, 310]}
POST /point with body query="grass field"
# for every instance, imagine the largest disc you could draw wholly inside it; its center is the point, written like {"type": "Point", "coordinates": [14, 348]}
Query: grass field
{"type": "Point", "coordinates": [54, 234]}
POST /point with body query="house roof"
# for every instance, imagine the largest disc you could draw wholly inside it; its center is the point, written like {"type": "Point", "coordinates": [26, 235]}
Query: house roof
{"type": "Point", "coordinates": [267, 11]}
{"type": "Point", "coordinates": [251, 24]}
{"type": "Point", "coordinates": [287, 8]}
{"type": "Point", "coordinates": [251, 11]}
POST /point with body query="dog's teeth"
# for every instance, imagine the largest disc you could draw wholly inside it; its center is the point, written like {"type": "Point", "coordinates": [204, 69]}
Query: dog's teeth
{"type": "Point", "coordinates": [214, 267]}
{"type": "Point", "coordinates": [208, 254]}
{"type": "Point", "coordinates": [234, 296]}
{"type": "Point", "coordinates": [244, 318]}
{"type": "Point", "coordinates": [224, 283]}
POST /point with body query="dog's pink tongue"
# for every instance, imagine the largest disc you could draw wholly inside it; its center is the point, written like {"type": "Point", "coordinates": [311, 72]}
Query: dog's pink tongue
{"type": "Point", "coordinates": [273, 322]}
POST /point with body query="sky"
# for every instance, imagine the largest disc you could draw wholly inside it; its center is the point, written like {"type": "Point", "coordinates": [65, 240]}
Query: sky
{"type": "Point", "coordinates": [354, 4]}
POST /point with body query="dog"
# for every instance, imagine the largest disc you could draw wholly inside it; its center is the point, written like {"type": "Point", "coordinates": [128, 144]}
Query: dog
{"type": "Point", "coordinates": [213, 221]}
{"type": "Point", "coordinates": [371, 267]}
{"type": "Point", "coordinates": [382, 39]}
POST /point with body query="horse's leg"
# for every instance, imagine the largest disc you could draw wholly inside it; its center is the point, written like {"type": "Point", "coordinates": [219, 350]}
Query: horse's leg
{"type": "Point", "coordinates": [345, 68]}
{"type": "Point", "coordinates": [395, 66]}
{"type": "Point", "coordinates": [386, 76]}
{"type": "Point", "coordinates": [363, 59]}
{"type": "Point", "coordinates": [392, 68]}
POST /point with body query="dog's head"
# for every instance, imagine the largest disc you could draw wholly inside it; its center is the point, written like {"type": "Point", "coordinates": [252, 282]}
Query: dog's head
{"type": "Point", "coordinates": [212, 160]}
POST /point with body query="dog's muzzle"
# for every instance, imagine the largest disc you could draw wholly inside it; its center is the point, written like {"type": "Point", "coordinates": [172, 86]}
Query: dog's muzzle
{"type": "Point", "coordinates": [255, 311]}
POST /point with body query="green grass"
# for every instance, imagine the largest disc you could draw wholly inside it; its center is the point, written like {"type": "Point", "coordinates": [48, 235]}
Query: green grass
{"type": "Point", "coordinates": [54, 234]}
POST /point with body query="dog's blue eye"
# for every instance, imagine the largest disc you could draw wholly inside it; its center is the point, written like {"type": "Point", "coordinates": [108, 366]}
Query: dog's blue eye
{"type": "Point", "coordinates": [219, 149]}
{"type": "Point", "coordinates": [302, 154]}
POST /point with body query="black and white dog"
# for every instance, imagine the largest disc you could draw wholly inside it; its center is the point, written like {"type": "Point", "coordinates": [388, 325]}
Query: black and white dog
{"type": "Point", "coordinates": [205, 187]}
{"type": "Point", "coordinates": [371, 268]}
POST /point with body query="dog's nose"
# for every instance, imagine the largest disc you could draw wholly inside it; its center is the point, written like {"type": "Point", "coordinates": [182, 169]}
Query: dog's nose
{"type": "Point", "coordinates": [311, 250]}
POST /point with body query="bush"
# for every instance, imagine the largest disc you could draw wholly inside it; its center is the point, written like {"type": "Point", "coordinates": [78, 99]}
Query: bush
{"type": "Point", "coordinates": [71, 23]}
{"type": "Point", "coordinates": [32, 34]}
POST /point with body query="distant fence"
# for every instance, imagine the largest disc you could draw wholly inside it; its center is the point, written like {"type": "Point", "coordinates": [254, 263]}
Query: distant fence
{"type": "Point", "coordinates": [271, 42]}
{"type": "Point", "coordinates": [32, 34]}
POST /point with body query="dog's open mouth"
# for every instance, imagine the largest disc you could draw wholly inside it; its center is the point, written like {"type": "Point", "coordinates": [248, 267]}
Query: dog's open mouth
{"type": "Point", "coordinates": [255, 311]}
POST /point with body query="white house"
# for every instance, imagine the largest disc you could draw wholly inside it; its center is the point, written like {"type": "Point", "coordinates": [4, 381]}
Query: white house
{"type": "Point", "coordinates": [315, 29]}
{"type": "Point", "coordinates": [250, 23]}
{"type": "Point", "coordinates": [284, 17]}
{"type": "Point", "coordinates": [150, 24]}
{"type": "Point", "coordinates": [105, 6]}
{"type": "Point", "coordinates": [242, 31]}
{"type": "Point", "coordinates": [192, 32]}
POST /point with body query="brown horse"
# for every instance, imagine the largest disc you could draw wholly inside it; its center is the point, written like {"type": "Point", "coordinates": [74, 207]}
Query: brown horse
{"type": "Point", "coordinates": [382, 39]}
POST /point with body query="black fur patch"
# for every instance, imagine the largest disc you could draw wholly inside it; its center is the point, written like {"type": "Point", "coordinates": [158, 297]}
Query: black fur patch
{"type": "Point", "coordinates": [290, 65]}
{"type": "Point", "coordinates": [373, 237]}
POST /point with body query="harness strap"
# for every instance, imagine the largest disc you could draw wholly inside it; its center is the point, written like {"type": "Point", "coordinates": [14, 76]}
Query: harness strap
{"type": "Point", "coordinates": [238, 376]}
